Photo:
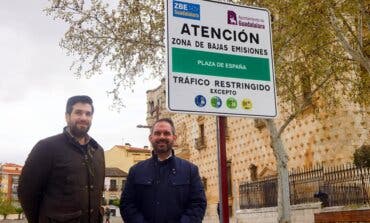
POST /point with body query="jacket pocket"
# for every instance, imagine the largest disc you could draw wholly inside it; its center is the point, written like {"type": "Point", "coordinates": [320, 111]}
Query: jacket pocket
{"type": "Point", "coordinates": [74, 217]}
{"type": "Point", "coordinates": [180, 188]}
{"type": "Point", "coordinates": [179, 182]}
{"type": "Point", "coordinates": [146, 181]}
{"type": "Point", "coordinates": [144, 189]}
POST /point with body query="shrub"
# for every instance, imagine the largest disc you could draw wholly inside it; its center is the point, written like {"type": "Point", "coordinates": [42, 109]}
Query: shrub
{"type": "Point", "coordinates": [361, 157]}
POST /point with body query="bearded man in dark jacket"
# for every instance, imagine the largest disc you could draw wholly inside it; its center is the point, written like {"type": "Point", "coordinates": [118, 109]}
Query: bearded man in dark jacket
{"type": "Point", "coordinates": [63, 177]}
{"type": "Point", "coordinates": [163, 188]}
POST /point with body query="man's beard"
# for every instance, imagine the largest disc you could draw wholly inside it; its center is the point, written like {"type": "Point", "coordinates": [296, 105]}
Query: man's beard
{"type": "Point", "coordinates": [78, 132]}
{"type": "Point", "coordinates": [161, 150]}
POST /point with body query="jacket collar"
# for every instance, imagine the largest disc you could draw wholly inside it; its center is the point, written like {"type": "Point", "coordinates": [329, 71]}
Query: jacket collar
{"type": "Point", "coordinates": [90, 141]}
{"type": "Point", "coordinates": [170, 161]}
{"type": "Point", "coordinates": [155, 157]}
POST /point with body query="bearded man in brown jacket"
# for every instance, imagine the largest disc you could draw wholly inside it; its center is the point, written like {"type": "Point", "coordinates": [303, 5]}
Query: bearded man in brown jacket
{"type": "Point", "coordinates": [63, 177]}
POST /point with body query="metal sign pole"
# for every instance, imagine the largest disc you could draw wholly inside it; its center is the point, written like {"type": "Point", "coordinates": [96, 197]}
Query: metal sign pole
{"type": "Point", "coordinates": [222, 170]}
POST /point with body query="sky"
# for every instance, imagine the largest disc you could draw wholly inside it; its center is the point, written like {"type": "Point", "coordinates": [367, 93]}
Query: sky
{"type": "Point", "coordinates": [35, 83]}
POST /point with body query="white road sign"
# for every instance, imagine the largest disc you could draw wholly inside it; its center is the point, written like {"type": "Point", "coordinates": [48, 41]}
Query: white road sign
{"type": "Point", "coordinates": [219, 59]}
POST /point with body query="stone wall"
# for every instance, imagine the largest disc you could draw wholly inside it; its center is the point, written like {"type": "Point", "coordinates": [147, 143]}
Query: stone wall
{"type": "Point", "coordinates": [303, 213]}
{"type": "Point", "coordinates": [327, 138]}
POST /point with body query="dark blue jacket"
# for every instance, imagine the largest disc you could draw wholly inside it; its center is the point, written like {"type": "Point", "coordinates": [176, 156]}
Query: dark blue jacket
{"type": "Point", "coordinates": [169, 192]}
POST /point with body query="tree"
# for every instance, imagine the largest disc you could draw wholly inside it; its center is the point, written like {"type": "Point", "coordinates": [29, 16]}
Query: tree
{"type": "Point", "coordinates": [127, 38]}
{"type": "Point", "coordinates": [6, 208]}
{"type": "Point", "coordinates": [19, 211]}
{"type": "Point", "coordinates": [321, 54]}
{"type": "Point", "coordinates": [315, 58]}
{"type": "Point", "coordinates": [361, 157]}
{"type": "Point", "coordinates": [116, 202]}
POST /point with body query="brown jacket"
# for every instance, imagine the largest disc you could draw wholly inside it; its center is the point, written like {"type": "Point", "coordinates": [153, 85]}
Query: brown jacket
{"type": "Point", "coordinates": [61, 182]}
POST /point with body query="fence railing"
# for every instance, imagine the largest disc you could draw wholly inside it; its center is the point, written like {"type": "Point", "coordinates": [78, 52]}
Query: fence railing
{"type": "Point", "coordinates": [340, 185]}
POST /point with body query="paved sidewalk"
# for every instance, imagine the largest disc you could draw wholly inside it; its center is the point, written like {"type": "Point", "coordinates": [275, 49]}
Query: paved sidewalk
{"type": "Point", "coordinates": [112, 220]}
{"type": "Point", "coordinates": [13, 221]}
{"type": "Point", "coordinates": [116, 220]}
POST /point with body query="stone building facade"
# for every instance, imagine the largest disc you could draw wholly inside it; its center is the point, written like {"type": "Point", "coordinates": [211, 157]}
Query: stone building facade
{"type": "Point", "coordinates": [118, 161]}
{"type": "Point", "coordinates": [156, 104]}
{"type": "Point", "coordinates": [328, 138]}
{"type": "Point", "coordinates": [114, 183]}
{"type": "Point", "coordinates": [9, 178]}
{"type": "Point", "coordinates": [125, 156]}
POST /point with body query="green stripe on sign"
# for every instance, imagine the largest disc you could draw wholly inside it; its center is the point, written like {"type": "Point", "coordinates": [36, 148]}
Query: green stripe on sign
{"type": "Point", "coordinates": [221, 65]}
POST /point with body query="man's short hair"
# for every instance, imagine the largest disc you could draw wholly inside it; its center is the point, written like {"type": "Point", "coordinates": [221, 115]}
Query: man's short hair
{"type": "Point", "coordinates": [168, 120]}
{"type": "Point", "coordinates": [78, 99]}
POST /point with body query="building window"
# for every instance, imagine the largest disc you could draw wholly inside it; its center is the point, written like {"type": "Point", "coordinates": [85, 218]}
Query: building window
{"type": "Point", "coordinates": [200, 142]}
{"type": "Point", "coordinates": [230, 210]}
{"type": "Point", "coordinates": [159, 102]}
{"type": "Point", "coordinates": [229, 183]}
{"type": "Point", "coordinates": [259, 123]}
{"type": "Point", "coordinates": [204, 181]}
{"type": "Point", "coordinates": [151, 106]}
{"type": "Point", "coordinates": [123, 184]}
{"type": "Point", "coordinates": [113, 185]}
{"type": "Point", "coordinates": [306, 88]}
{"type": "Point", "coordinates": [201, 132]}
{"type": "Point", "coordinates": [253, 172]}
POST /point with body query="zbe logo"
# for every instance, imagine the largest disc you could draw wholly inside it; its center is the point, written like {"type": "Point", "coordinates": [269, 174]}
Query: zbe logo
{"type": "Point", "coordinates": [186, 10]}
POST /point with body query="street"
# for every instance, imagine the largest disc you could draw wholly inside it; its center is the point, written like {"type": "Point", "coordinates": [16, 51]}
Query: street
{"type": "Point", "coordinates": [112, 220]}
